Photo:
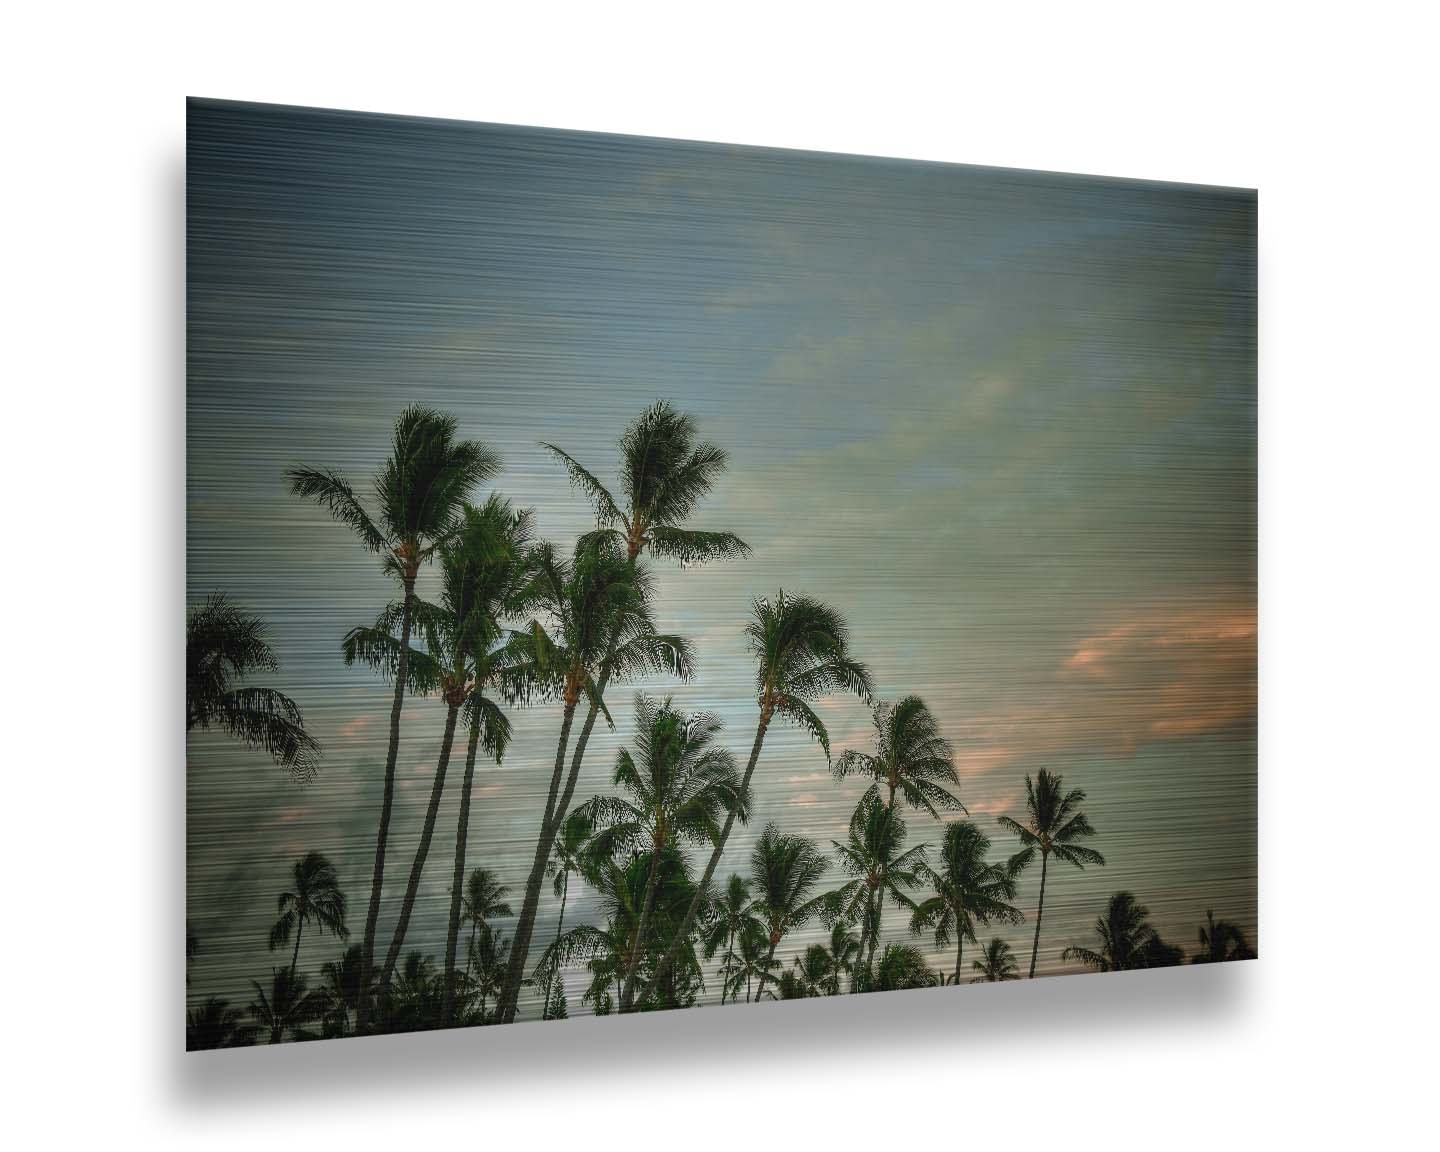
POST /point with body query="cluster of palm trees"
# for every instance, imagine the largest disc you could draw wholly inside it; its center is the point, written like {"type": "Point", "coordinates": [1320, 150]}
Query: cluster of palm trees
{"type": "Point", "coordinates": [517, 623]}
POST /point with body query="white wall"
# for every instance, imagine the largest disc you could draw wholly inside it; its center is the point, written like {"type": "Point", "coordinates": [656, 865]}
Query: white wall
{"type": "Point", "coordinates": [1329, 111]}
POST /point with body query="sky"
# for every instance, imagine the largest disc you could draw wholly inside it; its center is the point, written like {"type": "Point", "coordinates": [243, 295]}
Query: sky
{"type": "Point", "coordinates": [1004, 421]}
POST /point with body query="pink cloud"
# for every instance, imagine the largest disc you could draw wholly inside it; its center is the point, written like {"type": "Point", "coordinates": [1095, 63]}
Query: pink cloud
{"type": "Point", "coordinates": [353, 728]}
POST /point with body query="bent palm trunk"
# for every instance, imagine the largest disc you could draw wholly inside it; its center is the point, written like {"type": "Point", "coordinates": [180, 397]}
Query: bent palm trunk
{"type": "Point", "coordinates": [377, 882]}
{"type": "Point", "coordinates": [668, 960]}
{"type": "Point", "coordinates": [559, 931]}
{"type": "Point", "coordinates": [452, 935]}
{"type": "Point", "coordinates": [295, 959]}
{"type": "Point", "coordinates": [627, 991]}
{"type": "Point", "coordinates": [525, 926]}
{"type": "Point", "coordinates": [765, 971]}
{"type": "Point", "coordinates": [431, 812]}
{"type": "Point", "coordinates": [1039, 911]}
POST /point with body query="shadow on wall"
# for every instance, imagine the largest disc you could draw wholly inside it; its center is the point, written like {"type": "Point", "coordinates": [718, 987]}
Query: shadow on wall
{"type": "Point", "coordinates": [992, 1019]}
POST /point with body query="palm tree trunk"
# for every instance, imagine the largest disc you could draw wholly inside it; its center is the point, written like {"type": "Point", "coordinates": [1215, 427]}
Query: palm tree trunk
{"type": "Point", "coordinates": [559, 931]}
{"type": "Point", "coordinates": [959, 955]}
{"type": "Point", "coordinates": [426, 832]}
{"type": "Point", "coordinates": [725, 967]}
{"type": "Point", "coordinates": [525, 926]}
{"type": "Point", "coordinates": [879, 898]}
{"type": "Point", "coordinates": [377, 881]}
{"type": "Point", "coordinates": [652, 882]}
{"type": "Point", "coordinates": [683, 931]}
{"type": "Point", "coordinates": [452, 935]}
{"type": "Point", "coordinates": [1039, 911]}
{"type": "Point", "coordinates": [299, 927]}
{"type": "Point", "coordinates": [765, 971]}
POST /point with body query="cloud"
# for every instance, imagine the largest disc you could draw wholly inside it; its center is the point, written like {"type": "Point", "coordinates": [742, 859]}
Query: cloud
{"type": "Point", "coordinates": [1155, 676]}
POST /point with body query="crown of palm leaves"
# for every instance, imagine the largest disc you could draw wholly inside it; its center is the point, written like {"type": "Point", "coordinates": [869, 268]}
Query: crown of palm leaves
{"type": "Point", "coordinates": [664, 473]}
{"type": "Point", "coordinates": [910, 754]}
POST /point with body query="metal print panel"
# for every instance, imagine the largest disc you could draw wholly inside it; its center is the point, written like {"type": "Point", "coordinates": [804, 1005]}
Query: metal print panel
{"type": "Point", "coordinates": [627, 575]}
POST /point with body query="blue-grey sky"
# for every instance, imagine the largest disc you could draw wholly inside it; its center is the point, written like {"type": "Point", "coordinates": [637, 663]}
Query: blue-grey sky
{"type": "Point", "coordinates": [1004, 421]}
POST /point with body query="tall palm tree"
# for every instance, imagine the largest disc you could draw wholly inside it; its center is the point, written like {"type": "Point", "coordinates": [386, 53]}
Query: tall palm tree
{"type": "Point", "coordinates": [502, 588]}
{"type": "Point", "coordinates": [223, 645]}
{"type": "Point", "coordinates": [784, 870]}
{"type": "Point", "coordinates": [996, 963]}
{"type": "Point", "coordinates": [568, 858]}
{"type": "Point", "coordinates": [418, 495]}
{"type": "Point", "coordinates": [216, 1025]}
{"type": "Point", "coordinates": [676, 785]}
{"type": "Point", "coordinates": [664, 473]}
{"type": "Point", "coordinates": [483, 578]}
{"type": "Point", "coordinates": [601, 628]}
{"type": "Point", "coordinates": [801, 651]}
{"type": "Point", "coordinates": [287, 1006]}
{"type": "Point", "coordinates": [911, 758]}
{"type": "Point", "coordinates": [875, 859]}
{"type": "Point", "coordinates": [731, 915]}
{"type": "Point", "coordinates": [969, 891]}
{"type": "Point", "coordinates": [1221, 941]}
{"type": "Point", "coordinates": [1127, 939]}
{"type": "Point", "coordinates": [314, 898]}
{"type": "Point", "coordinates": [1056, 824]}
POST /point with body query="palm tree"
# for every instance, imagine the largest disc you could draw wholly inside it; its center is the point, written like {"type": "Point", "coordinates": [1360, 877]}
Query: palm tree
{"type": "Point", "coordinates": [753, 959]}
{"type": "Point", "coordinates": [216, 1025]}
{"type": "Point", "coordinates": [340, 986]}
{"type": "Point", "coordinates": [1127, 939]}
{"type": "Point", "coordinates": [874, 857]}
{"type": "Point", "coordinates": [288, 1006]}
{"type": "Point", "coordinates": [413, 1003]}
{"type": "Point", "coordinates": [784, 871]}
{"type": "Point", "coordinates": [1221, 941]}
{"type": "Point", "coordinates": [677, 785]}
{"type": "Point", "coordinates": [968, 891]}
{"type": "Point", "coordinates": [418, 492]}
{"type": "Point", "coordinates": [601, 628]}
{"type": "Point", "coordinates": [486, 965]}
{"type": "Point", "coordinates": [911, 758]}
{"type": "Point", "coordinates": [501, 588]}
{"type": "Point", "coordinates": [568, 858]}
{"type": "Point", "coordinates": [483, 578]}
{"type": "Point", "coordinates": [224, 644]}
{"type": "Point", "coordinates": [902, 966]}
{"type": "Point", "coordinates": [801, 650]}
{"type": "Point", "coordinates": [314, 898]}
{"type": "Point", "coordinates": [844, 955]}
{"type": "Point", "coordinates": [484, 901]}
{"type": "Point", "coordinates": [664, 474]}
{"type": "Point", "coordinates": [1056, 823]}
{"type": "Point", "coordinates": [997, 963]}
{"type": "Point", "coordinates": [814, 973]}
{"type": "Point", "coordinates": [731, 916]}
{"type": "Point", "coordinates": [607, 949]}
